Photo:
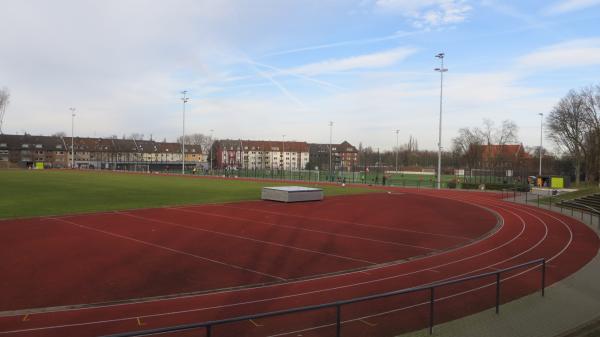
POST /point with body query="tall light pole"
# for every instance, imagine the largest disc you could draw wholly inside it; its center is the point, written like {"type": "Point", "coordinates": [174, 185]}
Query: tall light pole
{"type": "Point", "coordinates": [397, 149]}
{"type": "Point", "coordinates": [283, 155]}
{"type": "Point", "coordinates": [330, 149]}
{"type": "Point", "coordinates": [184, 99]}
{"type": "Point", "coordinates": [441, 70]}
{"type": "Point", "coordinates": [211, 146]}
{"type": "Point", "coordinates": [72, 135]}
{"type": "Point", "coordinates": [541, 138]}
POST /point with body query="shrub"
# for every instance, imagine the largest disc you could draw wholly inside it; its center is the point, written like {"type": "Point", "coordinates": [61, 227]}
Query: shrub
{"type": "Point", "coordinates": [469, 186]}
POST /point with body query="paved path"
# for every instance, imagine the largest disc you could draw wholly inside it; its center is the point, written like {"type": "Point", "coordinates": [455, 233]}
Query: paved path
{"type": "Point", "coordinates": [568, 305]}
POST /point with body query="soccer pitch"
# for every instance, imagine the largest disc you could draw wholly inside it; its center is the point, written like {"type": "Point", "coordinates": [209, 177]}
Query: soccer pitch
{"type": "Point", "coordinates": [25, 193]}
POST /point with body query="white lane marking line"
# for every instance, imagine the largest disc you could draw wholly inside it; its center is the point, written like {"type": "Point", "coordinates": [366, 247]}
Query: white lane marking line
{"type": "Point", "coordinates": [281, 297]}
{"type": "Point", "coordinates": [348, 222]}
{"type": "Point", "coordinates": [441, 298]}
{"type": "Point", "coordinates": [362, 320]}
{"type": "Point", "coordinates": [172, 250]}
{"type": "Point", "coordinates": [384, 313]}
{"type": "Point", "coordinates": [246, 238]}
{"type": "Point", "coordinates": [384, 266]}
{"type": "Point", "coordinates": [255, 324]}
{"type": "Point", "coordinates": [307, 230]}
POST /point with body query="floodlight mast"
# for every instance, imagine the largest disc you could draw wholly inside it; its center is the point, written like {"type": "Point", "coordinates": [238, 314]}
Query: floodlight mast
{"type": "Point", "coordinates": [330, 149]}
{"type": "Point", "coordinates": [184, 99]}
{"type": "Point", "coordinates": [397, 148]}
{"type": "Point", "coordinates": [541, 138]}
{"type": "Point", "coordinates": [441, 70]}
{"type": "Point", "coordinates": [283, 155]}
{"type": "Point", "coordinates": [72, 135]}
{"type": "Point", "coordinates": [211, 146]}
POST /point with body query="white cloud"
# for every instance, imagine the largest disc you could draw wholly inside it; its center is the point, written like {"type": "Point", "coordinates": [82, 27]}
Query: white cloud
{"type": "Point", "coordinates": [428, 13]}
{"type": "Point", "coordinates": [573, 53]}
{"type": "Point", "coordinates": [368, 61]}
{"type": "Point", "coordinates": [566, 6]}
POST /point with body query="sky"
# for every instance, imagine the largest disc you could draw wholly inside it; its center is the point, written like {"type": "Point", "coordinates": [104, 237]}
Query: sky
{"type": "Point", "coordinates": [261, 69]}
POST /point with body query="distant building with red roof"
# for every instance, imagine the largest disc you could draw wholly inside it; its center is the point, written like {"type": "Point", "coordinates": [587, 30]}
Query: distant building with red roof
{"type": "Point", "coordinates": [500, 155]}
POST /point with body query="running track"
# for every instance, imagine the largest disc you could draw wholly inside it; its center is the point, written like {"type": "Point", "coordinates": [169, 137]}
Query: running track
{"type": "Point", "coordinates": [524, 234]}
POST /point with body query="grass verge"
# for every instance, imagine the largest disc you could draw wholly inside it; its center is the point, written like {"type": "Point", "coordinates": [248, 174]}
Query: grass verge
{"type": "Point", "coordinates": [26, 193]}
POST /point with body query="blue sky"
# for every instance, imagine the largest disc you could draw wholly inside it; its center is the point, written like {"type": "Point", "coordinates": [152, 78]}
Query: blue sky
{"type": "Point", "coordinates": [260, 69]}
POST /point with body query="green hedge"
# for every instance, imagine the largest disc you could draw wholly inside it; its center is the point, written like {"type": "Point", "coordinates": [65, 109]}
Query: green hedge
{"type": "Point", "coordinates": [469, 186]}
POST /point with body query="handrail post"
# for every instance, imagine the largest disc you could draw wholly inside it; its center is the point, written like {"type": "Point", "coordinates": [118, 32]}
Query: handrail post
{"type": "Point", "coordinates": [208, 330]}
{"type": "Point", "coordinates": [338, 324]}
{"type": "Point", "coordinates": [538, 197]}
{"type": "Point", "coordinates": [543, 277]}
{"type": "Point", "coordinates": [431, 303]}
{"type": "Point", "coordinates": [497, 292]}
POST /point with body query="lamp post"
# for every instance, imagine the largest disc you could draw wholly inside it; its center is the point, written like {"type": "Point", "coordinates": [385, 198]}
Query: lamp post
{"type": "Point", "coordinates": [184, 99]}
{"type": "Point", "coordinates": [283, 156]}
{"type": "Point", "coordinates": [441, 70]}
{"type": "Point", "coordinates": [541, 138]}
{"type": "Point", "coordinates": [72, 135]}
{"type": "Point", "coordinates": [397, 149]}
{"type": "Point", "coordinates": [211, 146]}
{"type": "Point", "coordinates": [330, 149]}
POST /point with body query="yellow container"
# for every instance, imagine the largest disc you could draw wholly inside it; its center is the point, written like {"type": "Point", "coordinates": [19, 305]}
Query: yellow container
{"type": "Point", "coordinates": [557, 182]}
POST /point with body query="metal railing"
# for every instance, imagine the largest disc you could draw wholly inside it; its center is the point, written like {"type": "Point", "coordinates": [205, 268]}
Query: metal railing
{"type": "Point", "coordinates": [208, 325]}
{"type": "Point", "coordinates": [560, 206]}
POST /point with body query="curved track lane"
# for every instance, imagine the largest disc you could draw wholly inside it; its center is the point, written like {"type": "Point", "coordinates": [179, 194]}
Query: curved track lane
{"type": "Point", "coordinates": [526, 233]}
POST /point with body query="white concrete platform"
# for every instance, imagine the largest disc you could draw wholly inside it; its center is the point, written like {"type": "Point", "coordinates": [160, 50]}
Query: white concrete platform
{"type": "Point", "coordinates": [291, 193]}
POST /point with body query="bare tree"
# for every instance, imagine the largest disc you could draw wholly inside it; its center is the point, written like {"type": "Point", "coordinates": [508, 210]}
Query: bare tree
{"type": "Point", "coordinates": [4, 100]}
{"type": "Point", "coordinates": [203, 140]}
{"type": "Point", "coordinates": [591, 99]}
{"type": "Point", "coordinates": [567, 128]}
{"type": "Point", "coordinates": [467, 145]}
{"type": "Point", "coordinates": [507, 133]}
{"type": "Point", "coordinates": [470, 142]}
{"type": "Point", "coordinates": [136, 136]}
{"type": "Point", "coordinates": [487, 131]}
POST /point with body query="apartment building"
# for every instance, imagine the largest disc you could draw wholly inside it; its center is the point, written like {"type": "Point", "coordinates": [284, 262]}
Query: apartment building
{"type": "Point", "coordinates": [344, 156]}
{"type": "Point", "coordinates": [94, 153]}
{"type": "Point", "coordinates": [260, 154]}
{"type": "Point", "coordinates": [25, 150]}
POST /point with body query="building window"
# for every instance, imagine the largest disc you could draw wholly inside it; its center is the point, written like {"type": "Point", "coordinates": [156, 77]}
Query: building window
{"type": "Point", "coordinates": [38, 146]}
{"type": "Point", "coordinates": [25, 146]}
{"type": "Point", "coordinates": [2, 144]}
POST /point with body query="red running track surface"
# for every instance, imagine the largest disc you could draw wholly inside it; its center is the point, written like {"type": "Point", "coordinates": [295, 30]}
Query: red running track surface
{"type": "Point", "coordinates": [227, 260]}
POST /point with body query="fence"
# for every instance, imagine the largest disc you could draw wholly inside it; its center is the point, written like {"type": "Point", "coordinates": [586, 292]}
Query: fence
{"type": "Point", "coordinates": [207, 326]}
{"type": "Point", "coordinates": [583, 211]}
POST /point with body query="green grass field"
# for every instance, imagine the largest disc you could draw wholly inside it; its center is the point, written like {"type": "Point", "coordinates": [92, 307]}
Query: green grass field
{"type": "Point", "coordinates": [26, 193]}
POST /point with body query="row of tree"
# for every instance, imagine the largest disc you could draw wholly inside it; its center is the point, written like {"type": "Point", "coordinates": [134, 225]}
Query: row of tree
{"type": "Point", "coordinates": [574, 125]}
